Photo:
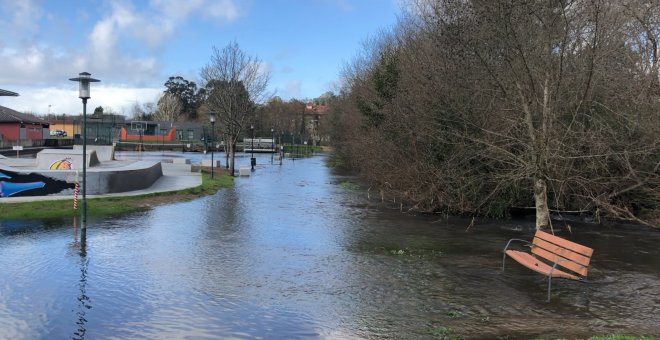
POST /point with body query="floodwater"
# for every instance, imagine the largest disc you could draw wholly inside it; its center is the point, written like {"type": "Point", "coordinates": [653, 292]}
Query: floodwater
{"type": "Point", "coordinates": [293, 253]}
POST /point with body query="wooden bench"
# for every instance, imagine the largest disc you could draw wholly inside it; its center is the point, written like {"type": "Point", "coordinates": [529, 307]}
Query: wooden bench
{"type": "Point", "coordinates": [553, 257]}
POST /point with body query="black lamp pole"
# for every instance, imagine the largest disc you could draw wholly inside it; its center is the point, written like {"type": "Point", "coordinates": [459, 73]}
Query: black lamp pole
{"type": "Point", "coordinates": [212, 118]}
{"type": "Point", "coordinates": [272, 144]}
{"type": "Point", "coordinates": [252, 160]}
{"type": "Point", "coordinates": [281, 143]}
{"type": "Point", "coordinates": [83, 80]}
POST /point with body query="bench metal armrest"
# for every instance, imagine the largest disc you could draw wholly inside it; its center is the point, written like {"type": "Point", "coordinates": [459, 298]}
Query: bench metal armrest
{"type": "Point", "coordinates": [515, 239]}
{"type": "Point", "coordinates": [507, 247]}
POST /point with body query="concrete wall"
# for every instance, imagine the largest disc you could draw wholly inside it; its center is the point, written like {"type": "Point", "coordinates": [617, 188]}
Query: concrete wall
{"type": "Point", "coordinates": [139, 175]}
{"type": "Point", "coordinates": [49, 157]}
{"type": "Point", "coordinates": [103, 152]}
{"type": "Point", "coordinates": [136, 176]}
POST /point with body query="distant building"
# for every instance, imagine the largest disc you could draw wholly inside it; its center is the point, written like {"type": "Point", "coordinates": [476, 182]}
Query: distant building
{"type": "Point", "coordinates": [314, 121]}
{"type": "Point", "coordinates": [68, 124]}
{"type": "Point", "coordinates": [21, 129]}
{"type": "Point", "coordinates": [8, 93]}
{"type": "Point", "coordinates": [162, 131]}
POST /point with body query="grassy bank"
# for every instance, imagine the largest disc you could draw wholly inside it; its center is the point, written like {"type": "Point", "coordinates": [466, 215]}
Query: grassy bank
{"type": "Point", "coordinates": [112, 205]}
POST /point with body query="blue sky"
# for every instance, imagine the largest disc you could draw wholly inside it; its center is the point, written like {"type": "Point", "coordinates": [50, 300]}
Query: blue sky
{"type": "Point", "coordinates": [133, 45]}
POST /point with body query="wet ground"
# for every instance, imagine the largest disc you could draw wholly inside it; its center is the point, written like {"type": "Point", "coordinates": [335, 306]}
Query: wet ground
{"type": "Point", "coordinates": [293, 252]}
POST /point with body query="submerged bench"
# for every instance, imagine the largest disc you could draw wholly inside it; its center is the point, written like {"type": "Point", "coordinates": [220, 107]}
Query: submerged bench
{"type": "Point", "coordinates": [553, 257]}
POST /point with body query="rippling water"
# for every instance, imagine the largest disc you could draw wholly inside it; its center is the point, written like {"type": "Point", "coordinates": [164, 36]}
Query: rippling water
{"type": "Point", "coordinates": [289, 253]}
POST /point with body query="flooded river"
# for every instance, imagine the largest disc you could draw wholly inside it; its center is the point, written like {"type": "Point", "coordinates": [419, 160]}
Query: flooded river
{"type": "Point", "coordinates": [292, 252]}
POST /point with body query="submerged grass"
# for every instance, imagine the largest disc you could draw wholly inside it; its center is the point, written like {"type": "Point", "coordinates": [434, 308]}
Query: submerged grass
{"type": "Point", "coordinates": [112, 205]}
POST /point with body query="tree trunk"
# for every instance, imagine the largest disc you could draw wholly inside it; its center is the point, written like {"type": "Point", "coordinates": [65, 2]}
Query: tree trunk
{"type": "Point", "coordinates": [232, 163]}
{"type": "Point", "coordinates": [226, 155]}
{"type": "Point", "coordinates": [541, 201]}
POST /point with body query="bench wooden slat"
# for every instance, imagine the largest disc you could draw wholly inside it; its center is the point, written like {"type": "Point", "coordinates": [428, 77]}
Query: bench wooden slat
{"type": "Point", "coordinates": [578, 248]}
{"type": "Point", "coordinates": [538, 266]}
{"type": "Point", "coordinates": [575, 267]}
{"type": "Point", "coordinates": [559, 250]}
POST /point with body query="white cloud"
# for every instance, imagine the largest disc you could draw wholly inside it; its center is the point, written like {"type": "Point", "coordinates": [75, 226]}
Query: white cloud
{"type": "Point", "coordinates": [160, 21]}
{"type": "Point", "coordinates": [25, 15]}
{"type": "Point", "coordinates": [32, 64]}
{"type": "Point", "coordinates": [226, 9]}
{"type": "Point", "coordinates": [28, 61]}
{"type": "Point", "coordinates": [293, 88]}
{"type": "Point", "coordinates": [265, 67]}
{"type": "Point", "coordinates": [67, 101]}
{"type": "Point", "coordinates": [121, 46]}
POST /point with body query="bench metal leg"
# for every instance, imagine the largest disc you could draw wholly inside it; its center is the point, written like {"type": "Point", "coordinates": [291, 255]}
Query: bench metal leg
{"type": "Point", "coordinates": [503, 260]}
{"type": "Point", "coordinates": [549, 287]}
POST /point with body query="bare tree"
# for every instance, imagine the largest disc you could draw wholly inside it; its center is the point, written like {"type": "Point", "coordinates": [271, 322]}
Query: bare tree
{"type": "Point", "coordinates": [235, 82]}
{"type": "Point", "coordinates": [169, 108]}
{"type": "Point", "coordinates": [479, 106]}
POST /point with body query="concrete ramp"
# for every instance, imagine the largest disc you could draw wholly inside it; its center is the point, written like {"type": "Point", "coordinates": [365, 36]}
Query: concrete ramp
{"type": "Point", "coordinates": [137, 175]}
{"type": "Point", "coordinates": [105, 153]}
{"type": "Point", "coordinates": [55, 159]}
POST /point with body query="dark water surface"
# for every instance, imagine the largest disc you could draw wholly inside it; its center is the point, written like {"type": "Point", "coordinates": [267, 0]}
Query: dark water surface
{"type": "Point", "coordinates": [291, 253]}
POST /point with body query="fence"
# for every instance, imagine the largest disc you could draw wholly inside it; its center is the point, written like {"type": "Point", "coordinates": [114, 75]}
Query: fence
{"type": "Point", "coordinates": [7, 144]}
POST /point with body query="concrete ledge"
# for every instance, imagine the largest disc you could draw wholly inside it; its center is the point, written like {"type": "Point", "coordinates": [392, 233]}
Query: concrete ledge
{"type": "Point", "coordinates": [104, 153]}
{"type": "Point", "coordinates": [179, 168]}
{"type": "Point", "coordinates": [244, 171]}
{"type": "Point", "coordinates": [180, 161]}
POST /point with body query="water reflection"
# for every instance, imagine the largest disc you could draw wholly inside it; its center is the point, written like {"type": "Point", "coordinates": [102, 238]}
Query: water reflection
{"type": "Point", "coordinates": [288, 253]}
{"type": "Point", "coordinates": [84, 303]}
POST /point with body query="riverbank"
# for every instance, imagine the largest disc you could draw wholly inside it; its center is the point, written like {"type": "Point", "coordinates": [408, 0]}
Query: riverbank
{"type": "Point", "coordinates": [114, 205]}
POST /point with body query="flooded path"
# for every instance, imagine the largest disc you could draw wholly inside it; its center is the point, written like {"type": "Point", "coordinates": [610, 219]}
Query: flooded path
{"type": "Point", "coordinates": [292, 253]}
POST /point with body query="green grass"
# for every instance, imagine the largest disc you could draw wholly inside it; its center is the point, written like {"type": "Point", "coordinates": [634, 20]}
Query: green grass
{"type": "Point", "coordinates": [621, 337]}
{"type": "Point", "coordinates": [444, 333]}
{"type": "Point", "coordinates": [348, 185]}
{"type": "Point", "coordinates": [112, 205]}
{"type": "Point", "coordinates": [618, 337]}
{"type": "Point", "coordinates": [334, 161]}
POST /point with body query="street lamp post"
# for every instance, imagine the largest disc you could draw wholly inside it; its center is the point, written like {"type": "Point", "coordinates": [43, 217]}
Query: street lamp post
{"type": "Point", "coordinates": [272, 144]}
{"type": "Point", "coordinates": [212, 118]}
{"type": "Point", "coordinates": [83, 80]}
{"type": "Point", "coordinates": [253, 161]}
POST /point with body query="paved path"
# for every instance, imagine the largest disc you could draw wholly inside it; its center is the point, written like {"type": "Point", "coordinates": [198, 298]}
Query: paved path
{"type": "Point", "coordinates": [175, 177]}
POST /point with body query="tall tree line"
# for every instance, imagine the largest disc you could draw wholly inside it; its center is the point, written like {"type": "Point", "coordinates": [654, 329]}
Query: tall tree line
{"type": "Point", "coordinates": [479, 106]}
